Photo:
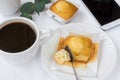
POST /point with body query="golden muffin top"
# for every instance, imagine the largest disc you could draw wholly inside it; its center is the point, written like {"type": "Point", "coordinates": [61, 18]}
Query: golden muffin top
{"type": "Point", "coordinates": [64, 9]}
{"type": "Point", "coordinates": [81, 47]}
{"type": "Point", "coordinates": [78, 43]}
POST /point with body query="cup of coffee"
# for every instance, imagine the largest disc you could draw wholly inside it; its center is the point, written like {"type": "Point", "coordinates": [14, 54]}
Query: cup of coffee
{"type": "Point", "coordinates": [8, 7]}
{"type": "Point", "coordinates": [19, 40]}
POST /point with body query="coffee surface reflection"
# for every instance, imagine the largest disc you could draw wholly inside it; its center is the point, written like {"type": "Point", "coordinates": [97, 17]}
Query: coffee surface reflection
{"type": "Point", "coordinates": [16, 37]}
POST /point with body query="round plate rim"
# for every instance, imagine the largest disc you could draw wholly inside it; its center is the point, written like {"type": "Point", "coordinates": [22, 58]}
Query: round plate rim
{"type": "Point", "coordinates": [67, 25]}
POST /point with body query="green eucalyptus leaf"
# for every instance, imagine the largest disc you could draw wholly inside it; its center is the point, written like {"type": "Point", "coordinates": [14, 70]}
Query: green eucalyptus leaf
{"type": "Point", "coordinates": [48, 1]}
{"type": "Point", "coordinates": [27, 8]}
{"type": "Point", "coordinates": [39, 5]}
{"type": "Point", "coordinates": [26, 15]}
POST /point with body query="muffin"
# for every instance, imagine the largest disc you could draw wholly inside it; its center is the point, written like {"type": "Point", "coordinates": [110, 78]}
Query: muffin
{"type": "Point", "coordinates": [81, 47]}
{"type": "Point", "coordinates": [61, 56]}
{"type": "Point", "coordinates": [64, 9]}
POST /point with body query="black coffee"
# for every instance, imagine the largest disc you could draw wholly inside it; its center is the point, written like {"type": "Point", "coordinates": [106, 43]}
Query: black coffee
{"type": "Point", "coordinates": [16, 37]}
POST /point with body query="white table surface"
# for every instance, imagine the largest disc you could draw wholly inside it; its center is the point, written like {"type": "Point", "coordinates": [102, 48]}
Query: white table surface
{"type": "Point", "coordinates": [34, 70]}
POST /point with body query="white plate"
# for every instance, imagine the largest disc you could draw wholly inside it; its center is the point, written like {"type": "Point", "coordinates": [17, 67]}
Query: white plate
{"type": "Point", "coordinates": [107, 49]}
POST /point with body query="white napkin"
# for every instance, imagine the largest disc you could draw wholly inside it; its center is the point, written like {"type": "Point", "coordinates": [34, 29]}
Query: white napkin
{"type": "Point", "coordinates": [66, 72]}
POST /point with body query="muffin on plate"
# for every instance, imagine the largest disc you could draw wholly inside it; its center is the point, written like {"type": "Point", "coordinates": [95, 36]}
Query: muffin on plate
{"type": "Point", "coordinates": [82, 48]}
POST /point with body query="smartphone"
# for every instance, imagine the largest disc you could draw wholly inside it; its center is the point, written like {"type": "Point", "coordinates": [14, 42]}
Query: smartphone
{"type": "Point", "coordinates": [105, 12]}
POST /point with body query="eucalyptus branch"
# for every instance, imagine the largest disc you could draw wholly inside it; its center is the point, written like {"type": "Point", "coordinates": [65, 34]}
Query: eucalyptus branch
{"type": "Point", "coordinates": [29, 8]}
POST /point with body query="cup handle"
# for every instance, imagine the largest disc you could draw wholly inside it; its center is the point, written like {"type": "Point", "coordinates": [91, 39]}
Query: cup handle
{"type": "Point", "coordinates": [45, 33]}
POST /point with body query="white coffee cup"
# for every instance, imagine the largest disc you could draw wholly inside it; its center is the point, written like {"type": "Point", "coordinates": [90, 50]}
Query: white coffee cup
{"type": "Point", "coordinates": [8, 7]}
{"type": "Point", "coordinates": [28, 54]}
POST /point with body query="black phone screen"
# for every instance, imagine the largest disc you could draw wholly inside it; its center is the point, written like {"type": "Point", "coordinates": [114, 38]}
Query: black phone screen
{"type": "Point", "coordinates": [105, 11]}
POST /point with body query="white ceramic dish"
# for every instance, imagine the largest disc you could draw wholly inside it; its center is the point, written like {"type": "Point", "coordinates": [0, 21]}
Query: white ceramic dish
{"type": "Point", "coordinates": [107, 49]}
